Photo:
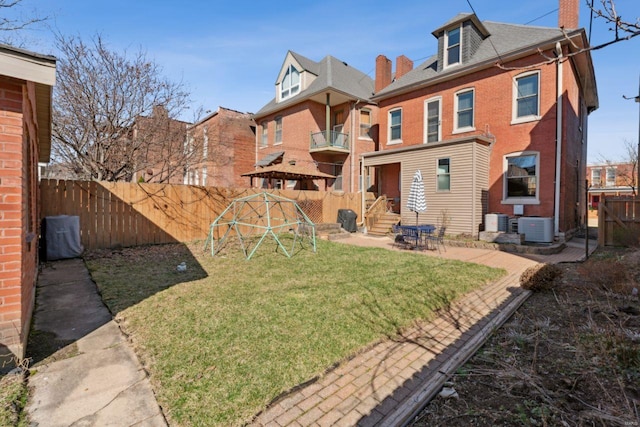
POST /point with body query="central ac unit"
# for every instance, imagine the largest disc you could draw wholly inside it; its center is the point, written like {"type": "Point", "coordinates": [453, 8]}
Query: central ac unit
{"type": "Point", "coordinates": [536, 229]}
{"type": "Point", "coordinates": [495, 222]}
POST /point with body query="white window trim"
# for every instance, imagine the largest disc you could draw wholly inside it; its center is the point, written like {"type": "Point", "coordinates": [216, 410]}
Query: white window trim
{"type": "Point", "coordinates": [367, 138]}
{"type": "Point", "coordinates": [389, 140]}
{"type": "Point", "coordinates": [457, 129]}
{"type": "Point", "coordinates": [446, 48]}
{"type": "Point", "coordinates": [514, 109]}
{"type": "Point", "coordinates": [426, 121]}
{"type": "Point", "coordinates": [438, 174]}
{"type": "Point", "coordinates": [520, 200]}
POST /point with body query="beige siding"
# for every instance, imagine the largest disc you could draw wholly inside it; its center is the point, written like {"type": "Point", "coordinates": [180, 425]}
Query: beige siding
{"type": "Point", "coordinates": [463, 205]}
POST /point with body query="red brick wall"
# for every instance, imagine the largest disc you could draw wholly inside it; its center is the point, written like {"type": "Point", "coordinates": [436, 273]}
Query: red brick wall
{"type": "Point", "coordinates": [18, 195]}
{"type": "Point", "coordinates": [493, 103]}
{"type": "Point", "coordinates": [300, 120]}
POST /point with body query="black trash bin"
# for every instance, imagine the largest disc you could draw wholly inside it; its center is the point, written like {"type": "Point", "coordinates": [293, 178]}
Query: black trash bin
{"type": "Point", "coordinates": [347, 220]}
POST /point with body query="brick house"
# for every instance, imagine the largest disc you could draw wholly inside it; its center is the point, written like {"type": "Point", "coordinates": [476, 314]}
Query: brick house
{"type": "Point", "coordinates": [611, 179]}
{"type": "Point", "coordinates": [160, 141]}
{"type": "Point", "coordinates": [224, 145]}
{"type": "Point", "coordinates": [492, 120]}
{"type": "Point", "coordinates": [26, 82]}
{"type": "Point", "coordinates": [317, 125]}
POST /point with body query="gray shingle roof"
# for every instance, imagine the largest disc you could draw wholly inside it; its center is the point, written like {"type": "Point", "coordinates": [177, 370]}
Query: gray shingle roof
{"type": "Point", "coordinates": [504, 39]}
{"type": "Point", "coordinates": [332, 74]}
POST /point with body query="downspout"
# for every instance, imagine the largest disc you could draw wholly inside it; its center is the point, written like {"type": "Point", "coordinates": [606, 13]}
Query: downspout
{"type": "Point", "coordinates": [327, 120]}
{"type": "Point", "coordinates": [363, 205]}
{"type": "Point", "coordinates": [352, 148]}
{"type": "Point", "coordinates": [474, 193]}
{"type": "Point", "coordinates": [556, 210]}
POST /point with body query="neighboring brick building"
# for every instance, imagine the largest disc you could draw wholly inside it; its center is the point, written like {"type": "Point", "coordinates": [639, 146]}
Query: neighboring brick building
{"type": "Point", "coordinates": [611, 179]}
{"type": "Point", "coordinates": [26, 81]}
{"type": "Point", "coordinates": [318, 123]}
{"type": "Point", "coordinates": [223, 144]}
{"type": "Point", "coordinates": [482, 121]}
{"type": "Point", "coordinates": [160, 142]}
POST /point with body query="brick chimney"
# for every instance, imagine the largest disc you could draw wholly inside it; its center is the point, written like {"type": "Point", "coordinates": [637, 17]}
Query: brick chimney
{"type": "Point", "coordinates": [568, 14]}
{"type": "Point", "coordinates": [403, 66]}
{"type": "Point", "coordinates": [383, 72]}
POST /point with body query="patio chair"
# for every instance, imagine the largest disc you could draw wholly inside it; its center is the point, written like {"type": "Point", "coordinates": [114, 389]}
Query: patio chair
{"type": "Point", "coordinates": [437, 239]}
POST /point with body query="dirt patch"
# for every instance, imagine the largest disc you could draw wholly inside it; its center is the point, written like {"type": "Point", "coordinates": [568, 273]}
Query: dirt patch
{"type": "Point", "coordinates": [570, 356]}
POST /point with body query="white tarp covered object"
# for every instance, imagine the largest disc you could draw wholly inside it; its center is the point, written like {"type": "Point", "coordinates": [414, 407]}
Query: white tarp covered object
{"type": "Point", "coordinates": [62, 237]}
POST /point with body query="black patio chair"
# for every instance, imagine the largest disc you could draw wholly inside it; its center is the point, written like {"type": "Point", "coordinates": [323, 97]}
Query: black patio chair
{"type": "Point", "coordinates": [437, 239]}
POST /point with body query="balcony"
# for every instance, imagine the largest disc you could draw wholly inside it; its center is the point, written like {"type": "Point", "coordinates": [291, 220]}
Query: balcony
{"type": "Point", "coordinates": [338, 142]}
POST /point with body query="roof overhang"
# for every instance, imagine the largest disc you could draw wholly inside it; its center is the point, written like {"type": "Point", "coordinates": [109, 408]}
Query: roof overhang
{"type": "Point", "coordinates": [40, 69]}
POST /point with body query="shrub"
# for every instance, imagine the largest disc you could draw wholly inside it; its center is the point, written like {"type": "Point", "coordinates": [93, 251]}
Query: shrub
{"type": "Point", "coordinates": [540, 277]}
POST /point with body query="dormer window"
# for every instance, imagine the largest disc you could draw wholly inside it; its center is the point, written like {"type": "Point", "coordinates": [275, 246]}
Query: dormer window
{"type": "Point", "coordinates": [290, 84]}
{"type": "Point", "coordinates": [452, 47]}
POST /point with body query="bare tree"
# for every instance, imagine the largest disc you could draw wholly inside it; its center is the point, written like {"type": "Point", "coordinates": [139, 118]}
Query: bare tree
{"type": "Point", "coordinates": [115, 115]}
{"type": "Point", "coordinates": [11, 21]}
{"type": "Point", "coordinates": [622, 29]}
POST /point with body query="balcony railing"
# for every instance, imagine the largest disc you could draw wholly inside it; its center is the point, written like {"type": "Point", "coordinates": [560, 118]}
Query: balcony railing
{"type": "Point", "coordinates": [337, 141]}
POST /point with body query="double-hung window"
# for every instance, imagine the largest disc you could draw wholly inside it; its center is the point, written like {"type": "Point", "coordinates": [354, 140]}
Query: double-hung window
{"type": "Point", "coordinates": [452, 48]}
{"type": "Point", "coordinates": [521, 177]}
{"type": "Point", "coordinates": [443, 174]}
{"type": "Point", "coordinates": [611, 177]}
{"type": "Point", "coordinates": [264, 138]}
{"type": "Point", "coordinates": [395, 126]}
{"type": "Point", "coordinates": [278, 136]}
{"type": "Point", "coordinates": [596, 177]}
{"type": "Point", "coordinates": [463, 119]}
{"type": "Point", "coordinates": [432, 120]}
{"type": "Point", "coordinates": [290, 84]}
{"type": "Point", "coordinates": [526, 104]}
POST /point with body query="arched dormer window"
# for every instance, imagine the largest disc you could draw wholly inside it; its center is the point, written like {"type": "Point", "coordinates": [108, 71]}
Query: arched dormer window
{"type": "Point", "coordinates": [290, 84]}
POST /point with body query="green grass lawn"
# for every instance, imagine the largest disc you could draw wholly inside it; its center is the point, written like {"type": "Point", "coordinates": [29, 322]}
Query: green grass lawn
{"type": "Point", "coordinates": [229, 335]}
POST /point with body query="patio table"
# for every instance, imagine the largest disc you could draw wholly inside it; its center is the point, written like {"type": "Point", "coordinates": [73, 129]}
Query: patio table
{"type": "Point", "coordinates": [417, 234]}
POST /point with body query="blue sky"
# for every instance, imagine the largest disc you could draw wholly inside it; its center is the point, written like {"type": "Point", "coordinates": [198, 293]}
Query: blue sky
{"type": "Point", "coordinates": [228, 53]}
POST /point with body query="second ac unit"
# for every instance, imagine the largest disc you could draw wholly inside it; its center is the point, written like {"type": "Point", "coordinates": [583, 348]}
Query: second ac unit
{"type": "Point", "coordinates": [536, 229]}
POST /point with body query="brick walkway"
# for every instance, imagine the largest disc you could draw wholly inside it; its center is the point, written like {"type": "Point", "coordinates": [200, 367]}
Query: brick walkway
{"type": "Point", "coordinates": [388, 384]}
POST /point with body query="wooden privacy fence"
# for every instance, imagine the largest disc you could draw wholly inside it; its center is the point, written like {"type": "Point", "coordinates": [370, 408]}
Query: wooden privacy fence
{"type": "Point", "coordinates": [117, 214]}
{"type": "Point", "coordinates": [619, 221]}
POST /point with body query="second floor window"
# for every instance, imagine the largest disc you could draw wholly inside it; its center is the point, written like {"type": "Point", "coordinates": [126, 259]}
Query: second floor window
{"type": "Point", "coordinates": [596, 177]}
{"type": "Point", "coordinates": [365, 123]}
{"type": "Point", "coordinates": [433, 120]}
{"type": "Point", "coordinates": [452, 48]}
{"type": "Point", "coordinates": [290, 84]}
{"type": "Point", "coordinates": [526, 96]}
{"type": "Point", "coordinates": [278, 138]}
{"type": "Point", "coordinates": [611, 177]}
{"type": "Point", "coordinates": [395, 125]}
{"type": "Point", "coordinates": [464, 111]}
{"type": "Point", "coordinates": [264, 139]}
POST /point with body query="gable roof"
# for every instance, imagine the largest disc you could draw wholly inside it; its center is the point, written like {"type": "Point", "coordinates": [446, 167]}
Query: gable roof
{"type": "Point", "coordinates": [504, 42]}
{"type": "Point", "coordinates": [332, 74]}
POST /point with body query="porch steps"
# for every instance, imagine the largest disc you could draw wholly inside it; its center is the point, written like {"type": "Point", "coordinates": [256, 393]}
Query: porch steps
{"type": "Point", "coordinates": [382, 227]}
{"type": "Point", "coordinates": [331, 231]}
